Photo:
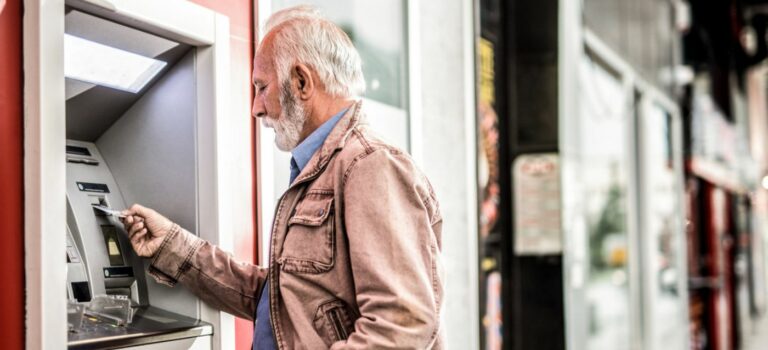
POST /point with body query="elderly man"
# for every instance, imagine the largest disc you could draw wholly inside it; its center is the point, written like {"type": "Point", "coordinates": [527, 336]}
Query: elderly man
{"type": "Point", "coordinates": [355, 243]}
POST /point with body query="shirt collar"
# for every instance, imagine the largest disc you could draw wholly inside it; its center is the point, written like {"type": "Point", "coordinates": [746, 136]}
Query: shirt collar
{"type": "Point", "coordinates": [307, 148]}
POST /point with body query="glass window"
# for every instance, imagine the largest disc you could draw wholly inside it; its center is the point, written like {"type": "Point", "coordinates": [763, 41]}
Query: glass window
{"type": "Point", "coordinates": [661, 231]}
{"type": "Point", "coordinates": [601, 164]}
{"type": "Point", "coordinates": [379, 31]}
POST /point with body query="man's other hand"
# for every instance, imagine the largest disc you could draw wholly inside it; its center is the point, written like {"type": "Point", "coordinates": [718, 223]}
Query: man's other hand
{"type": "Point", "coordinates": [146, 228]}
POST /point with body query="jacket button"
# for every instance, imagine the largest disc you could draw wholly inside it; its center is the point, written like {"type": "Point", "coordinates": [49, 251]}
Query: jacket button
{"type": "Point", "coordinates": [320, 212]}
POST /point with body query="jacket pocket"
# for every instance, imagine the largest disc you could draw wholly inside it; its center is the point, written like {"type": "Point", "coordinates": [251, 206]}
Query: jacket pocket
{"type": "Point", "coordinates": [333, 321]}
{"type": "Point", "coordinates": [310, 242]}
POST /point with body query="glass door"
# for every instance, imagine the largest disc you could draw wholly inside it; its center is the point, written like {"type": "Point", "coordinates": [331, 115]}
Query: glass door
{"type": "Point", "coordinates": [662, 235]}
{"type": "Point", "coordinates": [597, 181]}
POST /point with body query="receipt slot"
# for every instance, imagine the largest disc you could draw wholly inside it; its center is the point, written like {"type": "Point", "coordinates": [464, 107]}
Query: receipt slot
{"type": "Point", "coordinates": [144, 86]}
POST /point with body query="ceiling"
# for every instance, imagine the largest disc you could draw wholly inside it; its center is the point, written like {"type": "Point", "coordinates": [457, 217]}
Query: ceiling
{"type": "Point", "coordinates": [92, 109]}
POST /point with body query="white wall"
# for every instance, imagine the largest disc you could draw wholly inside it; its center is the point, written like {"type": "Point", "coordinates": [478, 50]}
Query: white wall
{"type": "Point", "coordinates": [446, 140]}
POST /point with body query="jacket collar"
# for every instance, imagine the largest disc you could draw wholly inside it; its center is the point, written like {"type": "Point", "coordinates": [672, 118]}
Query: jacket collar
{"type": "Point", "coordinates": [335, 141]}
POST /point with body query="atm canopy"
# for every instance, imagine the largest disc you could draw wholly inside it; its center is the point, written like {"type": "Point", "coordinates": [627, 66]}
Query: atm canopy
{"type": "Point", "coordinates": [91, 108]}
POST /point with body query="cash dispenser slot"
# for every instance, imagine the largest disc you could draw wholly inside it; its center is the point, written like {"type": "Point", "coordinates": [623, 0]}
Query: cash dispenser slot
{"type": "Point", "coordinates": [81, 291]}
{"type": "Point", "coordinates": [80, 155]}
{"type": "Point", "coordinates": [78, 151]}
{"type": "Point", "coordinates": [86, 161]}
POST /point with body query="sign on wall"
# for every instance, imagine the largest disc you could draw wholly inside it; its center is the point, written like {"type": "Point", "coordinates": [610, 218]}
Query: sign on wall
{"type": "Point", "coordinates": [536, 179]}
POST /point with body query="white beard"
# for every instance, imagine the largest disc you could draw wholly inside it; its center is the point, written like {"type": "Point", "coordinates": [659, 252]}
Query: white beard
{"type": "Point", "coordinates": [290, 123]}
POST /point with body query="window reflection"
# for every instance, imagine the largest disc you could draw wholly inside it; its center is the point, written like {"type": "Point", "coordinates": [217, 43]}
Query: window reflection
{"type": "Point", "coordinates": [602, 164]}
{"type": "Point", "coordinates": [661, 231]}
{"type": "Point", "coordinates": [378, 31]}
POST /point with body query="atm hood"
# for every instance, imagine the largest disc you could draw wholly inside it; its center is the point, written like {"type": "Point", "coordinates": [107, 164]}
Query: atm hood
{"type": "Point", "coordinates": [91, 109]}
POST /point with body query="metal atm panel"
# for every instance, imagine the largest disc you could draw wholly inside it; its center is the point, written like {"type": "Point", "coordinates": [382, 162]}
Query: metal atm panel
{"type": "Point", "coordinates": [101, 261]}
{"type": "Point", "coordinates": [112, 268]}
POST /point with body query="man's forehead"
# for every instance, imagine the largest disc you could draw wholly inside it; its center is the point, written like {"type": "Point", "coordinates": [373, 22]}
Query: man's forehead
{"type": "Point", "coordinates": [262, 67]}
{"type": "Point", "coordinates": [262, 61]}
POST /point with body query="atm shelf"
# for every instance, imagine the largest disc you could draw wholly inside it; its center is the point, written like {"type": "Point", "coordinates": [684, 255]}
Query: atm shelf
{"type": "Point", "coordinates": [150, 325]}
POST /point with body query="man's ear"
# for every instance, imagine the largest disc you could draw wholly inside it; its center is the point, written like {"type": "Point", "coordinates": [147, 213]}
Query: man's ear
{"type": "Point", "coordinates": [303, 81]}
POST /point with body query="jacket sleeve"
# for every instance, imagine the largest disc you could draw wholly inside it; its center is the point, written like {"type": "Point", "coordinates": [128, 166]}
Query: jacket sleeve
{"type": "Point", "coordinates": [392, 226]}
{"type": "Point", "coordinates": [209, 272]}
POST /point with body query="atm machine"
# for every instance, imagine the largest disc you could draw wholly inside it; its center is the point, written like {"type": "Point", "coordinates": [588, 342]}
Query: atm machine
{"type": "Point", "coordinates": [100, 261]}
{"type": "Point", "coordinates": [130, 139]}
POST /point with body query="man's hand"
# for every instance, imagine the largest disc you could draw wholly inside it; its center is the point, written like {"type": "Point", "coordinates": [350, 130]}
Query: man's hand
{"type": "Point", "coordinates": [146, 228]}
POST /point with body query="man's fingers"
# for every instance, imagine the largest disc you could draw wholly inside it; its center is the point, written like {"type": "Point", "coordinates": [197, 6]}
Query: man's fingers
{"type": "Point", "coordinates": [138, 223]}
{"type": "Point", "coordinates": [133, 210]}
{"type": "Point", "coordinates": [139, 210]}
{"type": "Point", "coordinates": [138, 237]}
{"type": "Point", "coordinates": [134, 235]}
{"type": "Point", "coordinates": [135, 228]}
{"type": "Point", "coordinates": [132, 231]}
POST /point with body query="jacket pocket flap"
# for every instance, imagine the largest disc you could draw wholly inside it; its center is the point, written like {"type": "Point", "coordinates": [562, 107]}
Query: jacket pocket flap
{"type": "Point", "coordinates": [312, 211]}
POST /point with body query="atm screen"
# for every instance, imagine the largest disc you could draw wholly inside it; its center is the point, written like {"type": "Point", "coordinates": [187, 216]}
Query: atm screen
{"type": "Point", "coordinates": [113, 245]}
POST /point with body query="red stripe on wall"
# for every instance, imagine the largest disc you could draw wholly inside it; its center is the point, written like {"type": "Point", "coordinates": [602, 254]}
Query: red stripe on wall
{"type": "Point", "coordinates": [11, 177]}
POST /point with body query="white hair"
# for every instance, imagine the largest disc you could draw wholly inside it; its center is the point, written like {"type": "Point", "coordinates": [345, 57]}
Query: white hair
{"type": "Point", "coordinates": [302, 35]}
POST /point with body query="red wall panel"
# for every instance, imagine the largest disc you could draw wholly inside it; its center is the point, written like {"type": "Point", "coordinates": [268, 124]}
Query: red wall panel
{"type": "Point", "coordinates": [11, 177]}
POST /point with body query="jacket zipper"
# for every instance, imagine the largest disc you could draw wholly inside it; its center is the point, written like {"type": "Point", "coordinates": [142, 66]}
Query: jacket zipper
{"type": "Point", "coordinates": [273, 279]}
{"type": "Point", "coordinates": [341, 332]}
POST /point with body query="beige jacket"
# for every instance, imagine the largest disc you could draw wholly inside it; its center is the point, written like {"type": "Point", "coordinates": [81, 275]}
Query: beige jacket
{"type": "Point", "coordinates": [355, 253]}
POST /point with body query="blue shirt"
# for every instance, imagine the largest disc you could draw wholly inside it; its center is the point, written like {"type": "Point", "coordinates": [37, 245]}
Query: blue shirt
{"type": "Point", "coordinates": [263, 339]}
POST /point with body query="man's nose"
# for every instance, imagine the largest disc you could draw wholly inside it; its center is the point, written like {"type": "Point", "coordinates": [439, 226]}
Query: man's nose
{"type": "Point", "coordinates": [257, 110]}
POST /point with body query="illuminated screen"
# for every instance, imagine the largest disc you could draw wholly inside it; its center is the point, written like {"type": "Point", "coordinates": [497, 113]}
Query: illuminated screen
{"type": "Point", "coordinates": [113, 245]}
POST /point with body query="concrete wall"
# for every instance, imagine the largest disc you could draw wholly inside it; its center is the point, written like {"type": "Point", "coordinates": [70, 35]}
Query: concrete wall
{"type": "Point", "coordinates": [447, 145]}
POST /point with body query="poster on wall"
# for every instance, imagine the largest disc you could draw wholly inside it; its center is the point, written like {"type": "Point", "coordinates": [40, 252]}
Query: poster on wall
{"type": "Point", "coordinates": [536, 179]}
{"type": "Point", "coordinates": [488, 141]}
{"type": "Point", "coordinates": [492, 321]}
{"type": "Point", "coordinates": [489, 197]}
